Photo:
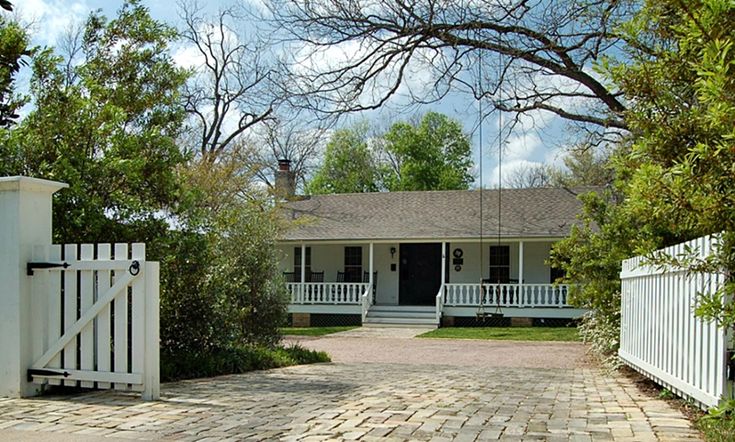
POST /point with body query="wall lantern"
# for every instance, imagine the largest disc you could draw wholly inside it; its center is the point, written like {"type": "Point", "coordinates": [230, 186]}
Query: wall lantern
{"type": "Point", "coordinates": [392, 252]}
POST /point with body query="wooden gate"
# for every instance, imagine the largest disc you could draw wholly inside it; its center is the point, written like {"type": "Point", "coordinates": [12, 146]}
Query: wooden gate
{"type": "Point", "coordinates": [95, 317]}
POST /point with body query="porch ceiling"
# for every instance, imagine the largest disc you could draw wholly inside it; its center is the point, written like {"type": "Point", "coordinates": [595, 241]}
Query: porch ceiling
{"type": "Point", "coordinates": [527, 213]}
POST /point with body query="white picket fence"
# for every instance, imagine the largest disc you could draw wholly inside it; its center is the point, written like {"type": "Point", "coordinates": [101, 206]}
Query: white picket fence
{"type": "Point", "coordinates": [661, 337]}
{"type": "Point", "coordinates": [95, 314]}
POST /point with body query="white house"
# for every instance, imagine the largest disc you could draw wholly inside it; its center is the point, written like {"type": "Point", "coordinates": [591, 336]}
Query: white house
{"type": "Point", "coordinates": [425, 258]}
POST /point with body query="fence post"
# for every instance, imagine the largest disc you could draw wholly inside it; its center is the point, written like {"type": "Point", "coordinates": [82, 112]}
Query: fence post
{"type": "Point", "coordinates": [151, 373]}
{"type": "Point", "coordinates": [25, 221]}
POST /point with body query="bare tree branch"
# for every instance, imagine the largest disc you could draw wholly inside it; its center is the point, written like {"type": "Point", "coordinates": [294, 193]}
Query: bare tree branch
{"type": "Point", "coordinates": [232, 89]}
{"type": "Point", "coordinates": [280, 138]}
{"type": "Point", "coordinates": [535, 55]}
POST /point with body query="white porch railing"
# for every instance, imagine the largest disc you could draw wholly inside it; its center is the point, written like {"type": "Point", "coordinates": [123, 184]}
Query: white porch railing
{"type": "Point", "coordinates": [439, 304]}
{"type": "Point", "coordinates": [506, 295]}
{"type": "Point", "coordinates": [366, 301]}
{"type": "Point", "coordinates": [327, 292]}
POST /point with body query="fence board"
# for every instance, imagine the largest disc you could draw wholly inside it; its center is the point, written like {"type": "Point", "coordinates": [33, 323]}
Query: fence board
{"type": "Point", "coordinates": [104, 282]}
{"type": "Point", "coordinates": [86, 296]}
{"type": "Point", "coordinates": [120, 343]}
{"type": "Point", "coordinates": [70, 309]}
{"type": "Point", "coordinates": [55, 302]}
{"type": "Point", "coordinates": [138, 312]}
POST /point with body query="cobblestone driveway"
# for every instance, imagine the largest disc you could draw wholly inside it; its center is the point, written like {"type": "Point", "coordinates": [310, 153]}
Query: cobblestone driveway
{"type": "Point", "coordinates": [366, 401]}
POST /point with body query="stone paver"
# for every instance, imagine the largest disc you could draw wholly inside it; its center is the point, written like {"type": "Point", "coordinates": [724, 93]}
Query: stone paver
{"type": "Point", "coordinates": [365, 401]}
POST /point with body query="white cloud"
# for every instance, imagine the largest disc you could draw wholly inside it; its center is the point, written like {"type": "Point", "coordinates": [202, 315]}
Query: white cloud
{"type": "Point", "coordinates": [555, 157]}
{"type": "Point", "coordinates": [322, 63]}
{"type": "Point", "coordinates": [188, 57]}
{"type": "Point", "coordinates": [51, 18]}
{"type": "Point", "coordinates": [509, 170]}
{"type": "Point", "coordinates": [521, 146]}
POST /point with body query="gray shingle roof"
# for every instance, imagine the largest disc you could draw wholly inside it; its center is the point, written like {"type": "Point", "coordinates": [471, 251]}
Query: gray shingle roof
{"type": "Point", "coordinates": [541, 212]}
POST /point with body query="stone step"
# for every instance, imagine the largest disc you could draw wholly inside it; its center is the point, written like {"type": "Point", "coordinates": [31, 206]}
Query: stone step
{"type": "Point", "coordinates": [427, 327]}
{"type": "Point", "coordinates": [402, 308]}
{"type": "Point", "coordinates": [401, 322]}
{"type": "Point", "coordinates": [400, 314]}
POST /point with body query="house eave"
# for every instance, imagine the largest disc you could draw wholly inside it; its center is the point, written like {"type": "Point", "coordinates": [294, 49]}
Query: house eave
{"type": "Point", "coordinates": [487, 239]}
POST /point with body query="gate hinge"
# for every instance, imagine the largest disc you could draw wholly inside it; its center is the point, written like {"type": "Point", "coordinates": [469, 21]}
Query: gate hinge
{"type": "Point", "coordinates": [44, 265]}
{"type": "Point", "coordinates": [43, 372]}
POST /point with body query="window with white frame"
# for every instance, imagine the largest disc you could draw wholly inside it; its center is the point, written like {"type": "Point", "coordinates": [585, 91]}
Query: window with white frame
{"type": "Point", "coordinates": [353, 264]}
{"type": "Point", "coordinates": [499, 265]}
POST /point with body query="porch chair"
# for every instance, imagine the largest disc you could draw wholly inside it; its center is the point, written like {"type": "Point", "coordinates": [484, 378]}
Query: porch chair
{"type": "Point", "coordinates": [290, 276]}
{"type": "Point", "coordinates": [337, 290]}
{"type": "Point", "coordinates": [316, 276]}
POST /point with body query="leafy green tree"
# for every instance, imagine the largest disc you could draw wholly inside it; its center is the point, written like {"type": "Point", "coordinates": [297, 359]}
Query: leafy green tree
{"type": "Point", "coordinates": [14, 46]}
{"type": "Point", "coordinates": [108, 130]}
{"type": "Point", "coordinates": [432, 155]}
{"type": "Point", "coordinates": [243, 284]}
{"type": "Point", "coordinates": [349, 165]}
{"type": "Point", "coordinates": [674, 175]}
{"type": "Point", "coordinates": [584, 167]}
{"type": "Point", "coordinates": [107, 123]}
{"type": "Point", "coordinates": [684, 119]}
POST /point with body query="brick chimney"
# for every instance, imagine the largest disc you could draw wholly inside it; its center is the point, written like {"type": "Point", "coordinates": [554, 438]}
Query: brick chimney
{"type": "Point", "coordinates": [285, 180]}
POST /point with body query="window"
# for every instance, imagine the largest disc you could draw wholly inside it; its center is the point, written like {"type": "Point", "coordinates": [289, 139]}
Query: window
{"type": "Point", "coordinates": [297, 263]}
{"type": "Point", "coordinates": [499, 264]}
{"type": "Point", "coordinates": [353, 264]}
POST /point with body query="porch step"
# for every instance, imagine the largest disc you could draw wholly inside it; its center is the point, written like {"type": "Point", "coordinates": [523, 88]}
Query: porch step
{"type": "Point", "coordinates": [401, 316]}
{"type": "Point", "coordinates": [400, 322]}
{"type": "Point", "coordinates": [409, 308]}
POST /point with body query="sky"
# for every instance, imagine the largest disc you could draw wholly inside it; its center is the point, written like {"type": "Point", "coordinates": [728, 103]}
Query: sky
{"type": "Point", "coordinates": [537, 140]}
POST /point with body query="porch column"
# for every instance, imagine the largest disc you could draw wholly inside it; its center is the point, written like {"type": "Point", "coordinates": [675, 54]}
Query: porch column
{"type": "Point", "coordinates": [520, 271]}
{"type": "Point", "coordinates": [303, 272]}
{"type": "Point", "coordinates": [370, 277]}
{"type": "Point", "coordinates": [444, 263]}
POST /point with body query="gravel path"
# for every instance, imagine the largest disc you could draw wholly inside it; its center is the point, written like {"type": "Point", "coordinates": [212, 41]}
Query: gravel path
{"type": "Point", "coordinates": [396, 346]}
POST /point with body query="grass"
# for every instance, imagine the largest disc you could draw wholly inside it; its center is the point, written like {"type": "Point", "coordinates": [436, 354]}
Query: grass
{"type": "Point", "coordinates": [313, 331]}
{"type": "Point", "coordinates": [506, 333]}
{"type": "Point", "coordinates": [717, 430]}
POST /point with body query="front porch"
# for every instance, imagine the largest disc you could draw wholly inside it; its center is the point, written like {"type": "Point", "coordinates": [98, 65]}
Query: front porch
{"type": "Point", "coordinates": [379, 280]}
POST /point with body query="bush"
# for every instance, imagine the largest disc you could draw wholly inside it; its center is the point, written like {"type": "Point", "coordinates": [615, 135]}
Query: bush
{"type": "Point", "coordinates": [240, 359]}
{"type": "Point", "coordinates": [602, 333]}
{"type": "Point", "coordinates": [246, 275]}
{"type": "Point", "coordinates": [191, 314]}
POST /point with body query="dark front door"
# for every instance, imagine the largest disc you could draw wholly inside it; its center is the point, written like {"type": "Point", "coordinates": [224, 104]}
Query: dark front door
{"type": "Point", "coordinates": [420, 274]}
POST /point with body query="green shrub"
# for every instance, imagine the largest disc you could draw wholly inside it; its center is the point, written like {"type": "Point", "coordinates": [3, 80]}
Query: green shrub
{"type": "Point", "coordinates": [191, 314]}
{"type": "Point", "coordinates": [602, 333]}
{"type": "Point", "coordinates": [246, 276]}
{"type": "Point", "coordinates": [241, 359]}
